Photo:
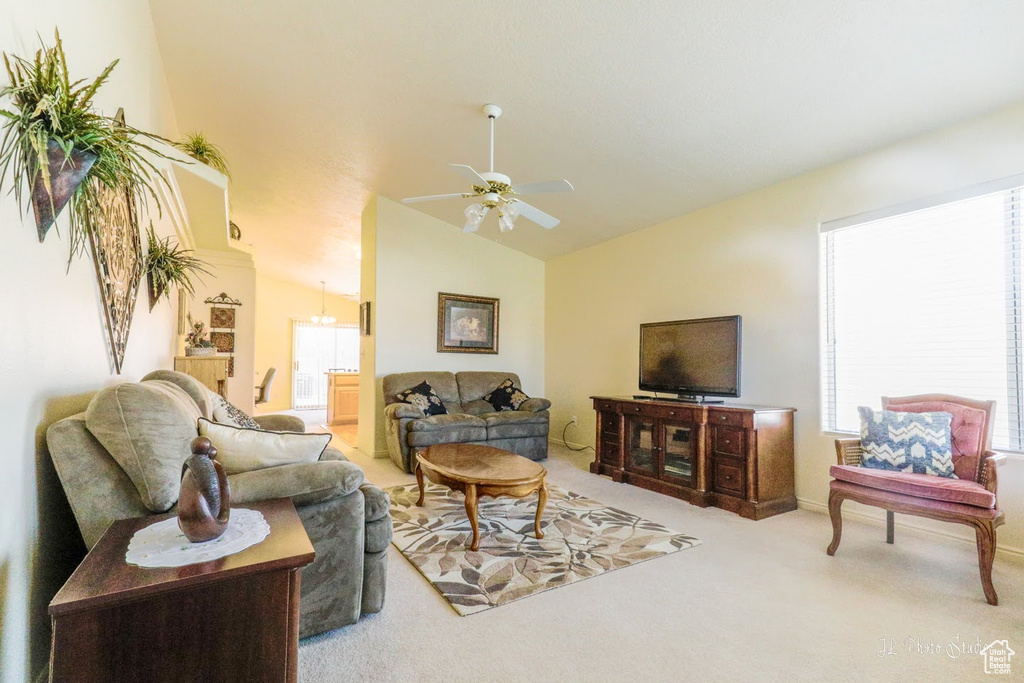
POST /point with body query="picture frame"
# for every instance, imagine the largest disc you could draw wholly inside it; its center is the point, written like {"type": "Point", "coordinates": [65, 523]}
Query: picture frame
{"type": "Point", "coordinates": [223, 341]}
{"type": "Point", "coordinates": [223, 318]}
{"type": "Point", "coordinates": [466, 324]}
{"type": "Point", "coordinates": [364, 319]}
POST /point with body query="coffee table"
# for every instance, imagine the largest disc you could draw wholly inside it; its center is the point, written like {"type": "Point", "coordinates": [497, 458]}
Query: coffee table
{"type": "Point", "coordinates": [480, 471]}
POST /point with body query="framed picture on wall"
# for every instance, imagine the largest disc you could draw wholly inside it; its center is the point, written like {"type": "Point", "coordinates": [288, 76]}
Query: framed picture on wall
{"type": "Point", "coordinates": [222, 317]}
{"type": "Point", "coordinates": [466, 324]}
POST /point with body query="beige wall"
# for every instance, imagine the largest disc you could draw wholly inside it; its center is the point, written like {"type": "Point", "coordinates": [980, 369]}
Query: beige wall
{"type": "Point", "coordinates": [367, 433]}
{"type": "Point", "coordinates": [418, 256]}
{"type": "Point", "coordinates": [278, 302]}
{"type": "Point", "coordinates": [53, 338]}
{"type": "Point", "coordinates": [757, 255]}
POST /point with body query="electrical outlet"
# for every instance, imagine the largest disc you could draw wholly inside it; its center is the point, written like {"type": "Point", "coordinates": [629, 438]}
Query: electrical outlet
{"type": "Point", "coordinates": [575, 420]}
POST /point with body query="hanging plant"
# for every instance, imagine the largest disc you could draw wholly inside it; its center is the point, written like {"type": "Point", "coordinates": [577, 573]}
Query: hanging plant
{"type": "Point", "coordinates": [199, 147]}
{"type": "Point", "coordinates": [54, 140]}
{"type": "Point", "coordinates": [169, 265]}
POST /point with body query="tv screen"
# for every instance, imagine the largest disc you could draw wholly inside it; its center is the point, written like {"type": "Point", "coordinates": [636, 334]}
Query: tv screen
{"type": "Point", "coordinates": [691, 357]}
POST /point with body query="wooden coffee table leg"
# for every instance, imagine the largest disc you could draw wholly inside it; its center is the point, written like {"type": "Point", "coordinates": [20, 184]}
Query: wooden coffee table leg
{"type": "Point", "coordinates": [542, 500]}
{"type": "Point", "coordinates": [419, 482]}
{"type": "Point", "coordinates": [471, 513]}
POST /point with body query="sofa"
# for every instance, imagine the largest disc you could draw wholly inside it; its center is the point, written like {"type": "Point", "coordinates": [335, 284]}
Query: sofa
{"type": "Point", "coordinates": [347, 519]}
{"type": "Point", "coordinates": [470, 418]}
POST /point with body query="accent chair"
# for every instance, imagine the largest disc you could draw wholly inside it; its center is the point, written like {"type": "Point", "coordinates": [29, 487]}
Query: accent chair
{"type": "Point", "coordinates": [969, 499]}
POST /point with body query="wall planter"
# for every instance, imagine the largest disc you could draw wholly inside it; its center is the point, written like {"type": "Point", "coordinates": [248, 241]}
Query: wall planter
{"type": "Point", "coordinates": [200, 350]}
{"type": "Point", "coordinates": [66, 173]}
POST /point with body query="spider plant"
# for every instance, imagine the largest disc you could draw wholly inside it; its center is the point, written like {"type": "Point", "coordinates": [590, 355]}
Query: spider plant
{"type": "Point", "coordinates": [169, 265]}
{"type": "Point", "coordinates": [199, 147]}
{"type": "Point", "coordinates": [47, 109]}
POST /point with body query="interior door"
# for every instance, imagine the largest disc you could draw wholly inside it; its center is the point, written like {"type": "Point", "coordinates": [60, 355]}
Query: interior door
{"type": "Point", "coordinates": [641, 446]}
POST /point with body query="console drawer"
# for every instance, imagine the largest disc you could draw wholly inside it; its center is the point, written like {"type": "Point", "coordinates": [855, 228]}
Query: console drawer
{"type": "Point", "coordinates": [728, 418]}
{"type": "Point", "coordinates": [730, 479]}
{"type": "Point", "coordinates": [729, 440]}
{"type": "Point", "coordinates": [606, 406]}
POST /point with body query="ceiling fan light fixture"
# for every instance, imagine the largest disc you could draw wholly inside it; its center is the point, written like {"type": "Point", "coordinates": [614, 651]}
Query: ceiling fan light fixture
{"type": "Point", "coordinates": [474, 217]}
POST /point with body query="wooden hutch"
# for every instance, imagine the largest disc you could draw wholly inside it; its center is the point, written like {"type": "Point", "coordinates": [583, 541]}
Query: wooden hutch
{"type": "Point", "coordinates": [735, 457]}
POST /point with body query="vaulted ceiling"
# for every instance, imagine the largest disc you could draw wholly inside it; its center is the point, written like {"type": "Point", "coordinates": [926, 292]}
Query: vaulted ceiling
{"type": "Point", "coordinates": [652, 109]}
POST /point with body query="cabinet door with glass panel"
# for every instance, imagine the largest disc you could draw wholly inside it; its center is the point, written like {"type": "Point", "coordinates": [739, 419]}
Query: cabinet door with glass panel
{"type": "Point", "coordinates": [641, 454]}
{"type": "Point", "coordinates": [677, 445]}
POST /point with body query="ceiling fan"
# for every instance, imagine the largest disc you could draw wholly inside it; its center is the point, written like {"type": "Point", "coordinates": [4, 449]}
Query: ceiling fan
{"type": "Point", "coordinates": [496, 191]}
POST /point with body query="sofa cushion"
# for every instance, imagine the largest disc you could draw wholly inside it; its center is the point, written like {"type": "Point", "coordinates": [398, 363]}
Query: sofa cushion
{"type": "Point", "coordinates": [196, 390]}
{"type": "Point", "coordinates": [514, 417]}
{"type": "Point", "coordinates": [907, 442]}
{"type": "Point", "coordinates": [423, 397]}
{"type": "Point", "coordinates": [511, 425]}
{"type": "Point", "coordinates": [447, 421]}
{"type": "Point", "coordinates": [507, 396]}
{"type": "Point", "coordinates": [919, 485]}
{"type": "Point", "coordinates": [242, 450]}
{"type": "Point", "coordinates": [968, 431]}
{"type": "Point", "coordinates": [474, 384]}
{"type": "Point", "coordinates": [147, 427]}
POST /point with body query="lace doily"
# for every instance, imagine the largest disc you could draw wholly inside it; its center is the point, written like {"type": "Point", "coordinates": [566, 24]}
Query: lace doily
{"type": "Point", "coordinates": [164, 545]}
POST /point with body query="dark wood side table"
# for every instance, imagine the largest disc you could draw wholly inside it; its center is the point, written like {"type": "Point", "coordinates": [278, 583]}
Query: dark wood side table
{"type": "Point", "coordinates": [232, 619]}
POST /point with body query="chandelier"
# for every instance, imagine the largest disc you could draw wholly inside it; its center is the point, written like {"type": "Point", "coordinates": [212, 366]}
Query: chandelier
{"type": "Point", "coordinates": [323, 318]}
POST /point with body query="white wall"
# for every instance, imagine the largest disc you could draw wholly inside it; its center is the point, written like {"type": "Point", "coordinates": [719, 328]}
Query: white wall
{"type": "Point", "coordinates": [757, 255]}
{"type": "Point", "coordinates": [53, 341]}
{"type": "Point", "coordinates": [232, 273]}
{"type": "Point", "coordinates": [418, 256]}
{"type": "Point", "coordinates": [367, 433]}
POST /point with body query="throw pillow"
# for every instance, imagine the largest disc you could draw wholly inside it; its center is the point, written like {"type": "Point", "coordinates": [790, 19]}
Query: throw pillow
{"type": "Point", "coordinates": [506, 397]}
{"type": "Point", "coordinates": [228, 414]}
{"type": "Point", "coordinates": [907, 442]}
{"type": "Point", "coordinates": [243, 450]}
{"type": "Point", "coordinates": [423, 397]}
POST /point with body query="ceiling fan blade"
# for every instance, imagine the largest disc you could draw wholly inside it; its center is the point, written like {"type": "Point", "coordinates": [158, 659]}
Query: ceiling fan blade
{"type": "Point", "coordinates": [534, 214]}
{"type": "Point", "coordinates": [546, 186]}
{"type": "Point", "coordinates": [432, 197]}
{"type": "Point", "coordinates": [469, 174]}
{"type": "Point", "coordinates": [470, 226]}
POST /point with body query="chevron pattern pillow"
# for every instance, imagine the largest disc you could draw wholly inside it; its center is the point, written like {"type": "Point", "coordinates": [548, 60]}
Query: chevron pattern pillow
{"type": "Point", "coordinates": [920, 443]}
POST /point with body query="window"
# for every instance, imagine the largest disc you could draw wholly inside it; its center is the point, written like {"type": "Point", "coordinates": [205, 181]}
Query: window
{"type": "Point", "coordinates": [927, 299]}
{"type": "Point", "coordinates": [315, 350]}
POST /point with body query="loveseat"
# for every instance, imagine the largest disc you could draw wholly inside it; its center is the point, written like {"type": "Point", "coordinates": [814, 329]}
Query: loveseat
{"type": "Point", "coordinates": [347, 519]}
{"type": "Point", "coordinates": [470, 418]}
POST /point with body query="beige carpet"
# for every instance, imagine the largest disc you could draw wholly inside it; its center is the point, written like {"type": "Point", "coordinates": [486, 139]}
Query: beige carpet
{"type": "Point", "coordinates": [582, 538]}
{"type": "Point", "coordinates": [756, 601]}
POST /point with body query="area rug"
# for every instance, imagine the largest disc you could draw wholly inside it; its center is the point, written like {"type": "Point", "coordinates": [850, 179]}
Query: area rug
{"type": "Point", "coordinates": [582, 538]}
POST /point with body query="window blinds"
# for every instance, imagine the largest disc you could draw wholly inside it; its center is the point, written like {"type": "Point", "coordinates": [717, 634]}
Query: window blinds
{"type": "Point", "coordinates": [926, 301]}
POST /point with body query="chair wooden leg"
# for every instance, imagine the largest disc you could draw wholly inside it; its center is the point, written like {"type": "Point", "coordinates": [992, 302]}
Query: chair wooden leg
{"type": "Point", "coordinates": [835, 502]}
{"type": "Point", "coordinates": [986, 535]}
{"type": "Point", "coordinates": [890, 527]}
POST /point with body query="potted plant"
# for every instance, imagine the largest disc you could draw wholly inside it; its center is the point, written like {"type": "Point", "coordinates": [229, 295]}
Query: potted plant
{"type": "Point", "coordinates": [169, 265]}
{"type": "Point", "coordinates": [196, 343]}
{"type": "Point", "coordinates": [55, 141]}
{"type": "Point", "coordinates": [199, 147]}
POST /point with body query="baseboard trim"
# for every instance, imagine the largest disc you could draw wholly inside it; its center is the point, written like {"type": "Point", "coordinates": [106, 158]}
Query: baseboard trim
{"type": "Point", "coordinates": [1009, 553]}
{"type": "Point", "coordinates": [380, 455]}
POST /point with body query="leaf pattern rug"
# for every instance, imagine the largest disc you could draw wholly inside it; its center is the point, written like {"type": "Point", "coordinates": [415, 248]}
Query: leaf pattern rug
{"type": "Point", "coordinates": [582, 538]}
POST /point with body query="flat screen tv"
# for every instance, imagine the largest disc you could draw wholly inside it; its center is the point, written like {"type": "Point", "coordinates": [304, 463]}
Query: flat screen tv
{"type": "Point", "coordinates": [691, 358]}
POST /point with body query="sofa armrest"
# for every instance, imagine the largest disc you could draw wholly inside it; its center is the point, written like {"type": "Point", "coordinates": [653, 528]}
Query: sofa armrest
{"type": "Point", "coordinates": [305, 483]}
{"type": "Point", "coordinates": [535, 405]}
{"type": "Point", "coordinates": [849, 451]}
{"type": "Point", "coordinates": [396, 411]}
{"type": "Point", "coordinates": [280, 423]}
{"type": "Point", "coordinates": [987, 476]}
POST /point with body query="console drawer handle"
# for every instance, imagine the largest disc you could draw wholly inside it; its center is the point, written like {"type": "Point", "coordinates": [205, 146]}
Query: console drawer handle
{"type": "Point", "coordinates": [637, 409]}
{"type": "Point", "coordinates": [725, 417]}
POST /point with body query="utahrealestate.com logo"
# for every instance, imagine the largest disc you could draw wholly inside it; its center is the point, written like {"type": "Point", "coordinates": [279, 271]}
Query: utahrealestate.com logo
{"type": "Point", "coordinates": [997, 656]}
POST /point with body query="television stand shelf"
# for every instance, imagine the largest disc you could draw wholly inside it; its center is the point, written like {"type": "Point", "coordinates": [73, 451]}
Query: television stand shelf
{"type": "Point", "coordinates": [735, 457]}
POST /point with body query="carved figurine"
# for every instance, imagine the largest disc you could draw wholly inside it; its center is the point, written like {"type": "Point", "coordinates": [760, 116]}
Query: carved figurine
{"type": "Point", "coordinates": [204, 504]}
